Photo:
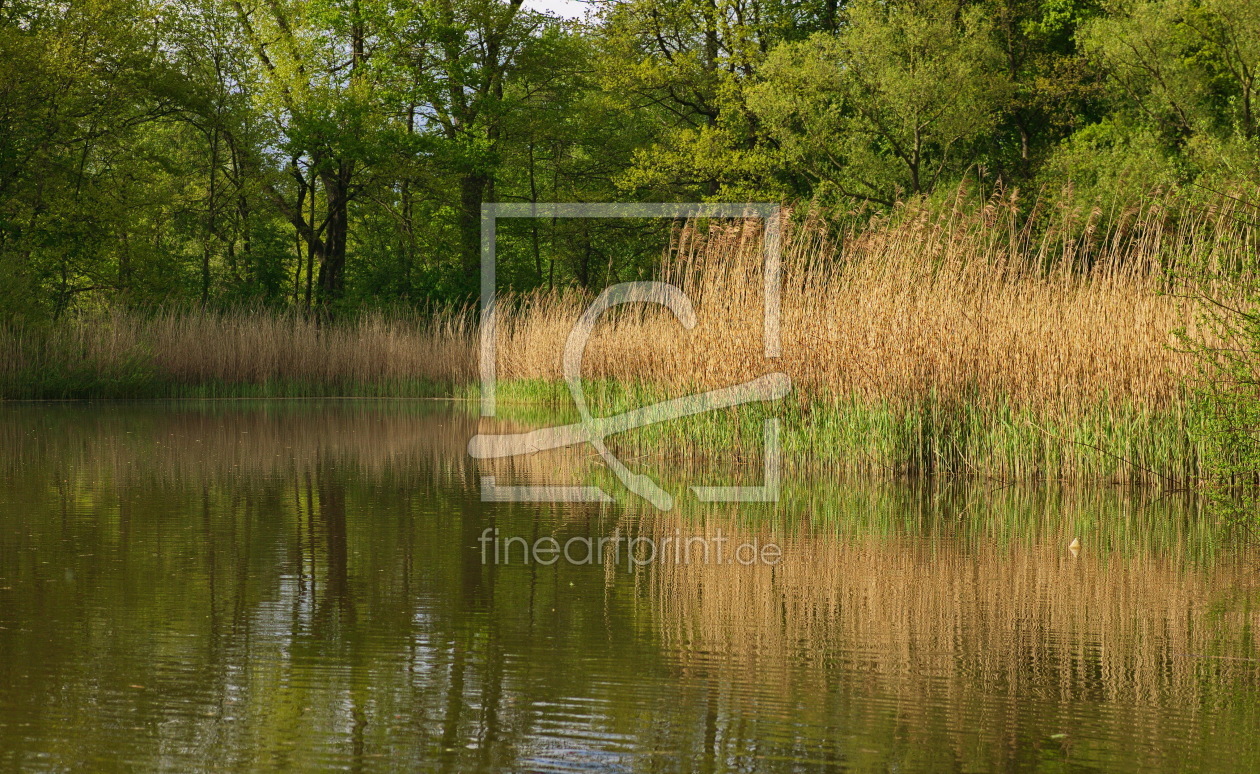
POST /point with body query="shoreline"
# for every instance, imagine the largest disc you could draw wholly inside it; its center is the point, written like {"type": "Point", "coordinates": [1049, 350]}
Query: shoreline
{"type": "Point", "coordinates": [1110, 443]}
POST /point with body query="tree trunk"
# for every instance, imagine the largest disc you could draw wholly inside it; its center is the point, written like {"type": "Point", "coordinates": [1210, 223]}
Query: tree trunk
{"type": "Point", "coordinates": [475, 188]}
{"type": "Point", "coordinates": [332, 266]}
{"type": "Point", "coordinates": [211, 202]}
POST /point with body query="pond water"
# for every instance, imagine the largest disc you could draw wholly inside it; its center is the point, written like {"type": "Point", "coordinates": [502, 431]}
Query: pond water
{"type": "Point", "coordinates": [300, 585]}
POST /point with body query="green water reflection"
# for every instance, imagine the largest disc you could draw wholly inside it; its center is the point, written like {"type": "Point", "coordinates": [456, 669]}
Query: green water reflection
{"type": "Point", "coordinates": [298, 585]}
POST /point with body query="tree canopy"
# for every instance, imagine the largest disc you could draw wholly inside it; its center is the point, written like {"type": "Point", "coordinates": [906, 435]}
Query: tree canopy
{"type": "Point", "coordinates": [326, 155]}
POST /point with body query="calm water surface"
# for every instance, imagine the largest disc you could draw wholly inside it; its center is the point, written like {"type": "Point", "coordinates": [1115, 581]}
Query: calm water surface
{"type": "Point", "coordinates": [300, 586]}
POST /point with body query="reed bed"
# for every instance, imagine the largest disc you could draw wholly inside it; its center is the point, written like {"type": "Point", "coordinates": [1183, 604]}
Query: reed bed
{"type": "Point", "coordinates": [201, 353]}
{"type": "Point", "coordinates": [971, 339]}
{"type": "Point", "coordinates": [927, 341]}
{"type": "Point", "coordinates": [961, 305]}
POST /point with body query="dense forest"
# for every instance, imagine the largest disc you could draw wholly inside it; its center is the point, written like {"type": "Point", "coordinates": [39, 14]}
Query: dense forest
{"type": "Point", "coordinates": [334, 154]}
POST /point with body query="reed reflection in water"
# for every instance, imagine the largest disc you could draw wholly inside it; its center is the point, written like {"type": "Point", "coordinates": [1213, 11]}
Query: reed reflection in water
{"type": "Point", "coordinates": [238, 586]}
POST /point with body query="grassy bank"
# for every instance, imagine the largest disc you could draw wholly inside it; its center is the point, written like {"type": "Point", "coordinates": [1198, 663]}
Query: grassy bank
{"type": "Point", "coordinates": [1106, 442]}
{"type": "Point", "coordinates": [950, 341]}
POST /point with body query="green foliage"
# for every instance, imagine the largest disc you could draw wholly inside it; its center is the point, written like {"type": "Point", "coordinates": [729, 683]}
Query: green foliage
{"type": "Point", "coordinates": [931, 437]}
{"type": "Point", "coordinates": [330, 155]}
{"type": "Point", "coordinates": [1188, 71]}
{"type": "Point", "coordinates": [1226, 344]}
{"type": "Point", "coordinates": [892, 105]}
{"type": "Point", "coordinates": [1112, 164]}
{"type": "Point", "coordinates": [684, 67]}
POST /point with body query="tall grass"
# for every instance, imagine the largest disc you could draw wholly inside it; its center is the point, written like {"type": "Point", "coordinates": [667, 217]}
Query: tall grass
{"type": "Point", "coordinates": [198, 353]}
{"type": "Point", "coordinates": [963, 305]}
{"type": "Point", "coordinates": [961, 339]}
{"type": "Point", "coordinates": [927, 341]}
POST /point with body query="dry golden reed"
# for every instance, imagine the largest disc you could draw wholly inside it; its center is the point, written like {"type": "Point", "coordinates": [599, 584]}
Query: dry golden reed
{"type": "Point", "coordinates": [963, 305]}
{"type": "Point", "coordinates": [247, 347]}
{"type": "Point", "coordinates": [970, 303]}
